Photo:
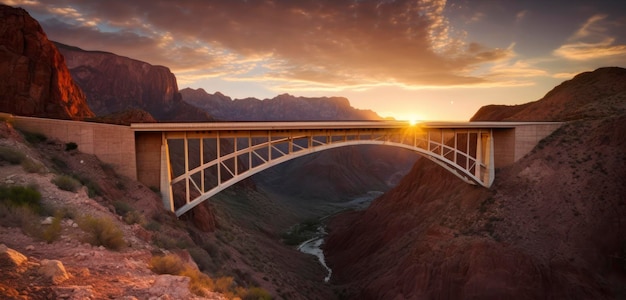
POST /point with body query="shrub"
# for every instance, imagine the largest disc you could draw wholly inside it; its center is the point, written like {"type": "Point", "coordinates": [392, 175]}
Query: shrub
{"type": "Point", "coordinates": [53, 231]}
{"type": "Point", "coordinates": [11, 156]}
{"type": "Point", "coordinates": [103, 232]}
{"type": "Point", "coordinates": [21, 217]}
{"type": "Point", "coordinates": [31, 166]}
{"type": "Point", "coordinates": [223, 284]}
{"type": "Point", "coordinates": [173, 264]}
{"type": "Point", "coordinates": [71, 146]}
{"type": "Point", "coordinates": [167, 264]}
{"type": "Point", "coordinates": [122, 208]}
{"type": "Point", "coordinates": [66, 183]}
{"type": "Point", "coordinates": [24, 196]}
{"type": "Point", "coordinates": [134, 217]}
{"type": "Point", "coordinates": [199, 282]}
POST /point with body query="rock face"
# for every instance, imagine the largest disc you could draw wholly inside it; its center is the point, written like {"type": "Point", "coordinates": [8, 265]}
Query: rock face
{"type": "Point", "coordinates": [280, 108]}
{"type": "Point", "coordinates": [34, 80]}
{"type": "Point", "coordinates": [115, 83]}
{"type": "Point", "coordinates": [588, 95]}
{"type": "Point", "coordinates": [550, 227]}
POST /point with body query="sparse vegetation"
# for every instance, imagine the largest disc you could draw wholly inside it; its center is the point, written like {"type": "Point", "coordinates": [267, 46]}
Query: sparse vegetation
{"type": "Point", "coordinates": [66, 183]}
{"type": "Point", "coordinates": [200, 283]}
{"type": "Point", "coordinates": [21, 196]}
{"type": "Point", "coordinates": [32, 166]}
{"type": "Point", "coordinates": [11, 155]}
{"type": "Point", "coordinates": [102, 232]}
{"type": "Point", "coordinates": [300, 232]}
{"type": "Point", "coordinates": [52, 232]}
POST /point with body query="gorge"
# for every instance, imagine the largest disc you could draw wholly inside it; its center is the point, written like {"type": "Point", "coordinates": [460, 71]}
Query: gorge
{"type": "Point", "coordinates": [551, 227]}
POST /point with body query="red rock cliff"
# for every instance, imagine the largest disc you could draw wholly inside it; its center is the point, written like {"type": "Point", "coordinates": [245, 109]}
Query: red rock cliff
{"type": "Point", "coordinates": [34, 80]}
{"type": "Point", "coordinates": [115, 83]}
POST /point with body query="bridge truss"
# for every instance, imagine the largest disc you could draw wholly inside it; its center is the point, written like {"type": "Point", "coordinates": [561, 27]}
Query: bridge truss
{"type": "Point", "coordinates": [198, 164]}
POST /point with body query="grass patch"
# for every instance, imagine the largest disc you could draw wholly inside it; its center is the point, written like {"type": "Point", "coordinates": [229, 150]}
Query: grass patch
{"type": "Point", "coordinates": [32, 166]}
{"type": "Point", "coordinates": [11, 155]}
{"type": "Point", "coordinates": [52, 232]}
{"type": "Point", "coordinates": [102, 232]}
{"type": "Point", "coordinates": [66, 183]}
{"type": "Point", "coordinates": [21, 196]}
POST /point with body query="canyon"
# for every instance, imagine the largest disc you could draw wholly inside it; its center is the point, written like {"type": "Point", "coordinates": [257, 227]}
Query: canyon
{"type": "Point", "coordinates": [552, 226]}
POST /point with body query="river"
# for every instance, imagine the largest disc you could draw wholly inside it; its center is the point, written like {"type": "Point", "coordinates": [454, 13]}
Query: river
{"type": "Point", "coordinates": [313, 245]}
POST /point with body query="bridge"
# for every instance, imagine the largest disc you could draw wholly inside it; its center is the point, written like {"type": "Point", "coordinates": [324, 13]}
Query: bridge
{"type": "Point", "coordinates": [191, 162]}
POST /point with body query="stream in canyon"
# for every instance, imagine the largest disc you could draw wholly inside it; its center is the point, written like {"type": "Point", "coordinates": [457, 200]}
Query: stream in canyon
{"type": "Point", "coordinates": [313, 245]}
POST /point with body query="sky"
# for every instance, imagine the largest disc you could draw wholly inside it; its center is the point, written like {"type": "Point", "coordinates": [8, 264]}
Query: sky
{"type": "Point", "coordinates": [410, 60]}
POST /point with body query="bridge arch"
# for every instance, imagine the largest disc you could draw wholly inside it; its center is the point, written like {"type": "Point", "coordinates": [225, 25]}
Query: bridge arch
{"type": "Point", "coordinates": [196, 165]}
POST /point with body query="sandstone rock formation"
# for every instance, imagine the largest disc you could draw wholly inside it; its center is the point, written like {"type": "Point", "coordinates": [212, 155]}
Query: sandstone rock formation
{"type": "Point", "coordinates": [550, 227]}
{"type": "Point", "coordinates": [115, 83]}
{"type": "Point", "coordinates": [34, 80]}
{"type": "Point", "coordinates": [280, 108]}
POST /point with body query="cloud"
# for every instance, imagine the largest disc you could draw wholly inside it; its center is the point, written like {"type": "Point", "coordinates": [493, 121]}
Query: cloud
{"type": "Point", "coordinates": [592, 41]}
{"type": "Point", "coordinates": [322, 42]}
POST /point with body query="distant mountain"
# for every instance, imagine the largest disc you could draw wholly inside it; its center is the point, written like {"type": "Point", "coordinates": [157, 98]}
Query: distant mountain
{"type": "Point", "coordinates": [587, 95]}
{"type": "Point", "coordinates": [551, 226]}
{"type": "Point", "coordinates": [284, 107]}
{"type": "Point", "coordinates": [115, 83]}
{"type": "Point", "coordinates": [34, 80]}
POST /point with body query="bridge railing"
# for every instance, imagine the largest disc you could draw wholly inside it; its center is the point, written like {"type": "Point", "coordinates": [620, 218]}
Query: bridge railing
{"type": "Point", "coordinates": [203, 163]}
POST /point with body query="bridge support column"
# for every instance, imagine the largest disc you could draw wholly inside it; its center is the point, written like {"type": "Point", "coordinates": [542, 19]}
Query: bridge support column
{"type": "Point", "coordinates": [166, 177]}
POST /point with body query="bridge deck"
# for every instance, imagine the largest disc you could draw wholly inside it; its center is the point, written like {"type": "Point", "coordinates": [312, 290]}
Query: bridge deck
{"type": "Point", "coordinates": [222, 126]}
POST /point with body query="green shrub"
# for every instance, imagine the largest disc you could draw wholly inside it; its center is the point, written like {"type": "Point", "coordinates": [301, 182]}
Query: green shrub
{"type": "Point", "coordinates": [71, 146]}
{"type": "Point", "coordinates": [122, 208]}
{"type": "Point", "coordinates": [23, 196]}
{"type": "Point", "coordinates": [103, 232]}
{"type": "Point", "coordinates": [11, 156]}
{"type": "Point", "coordinates": [66, 183]}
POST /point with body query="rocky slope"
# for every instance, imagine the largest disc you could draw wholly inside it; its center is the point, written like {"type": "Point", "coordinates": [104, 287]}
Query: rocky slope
{"type": "Point", "coordinates": [552, 226]}
{"type": "Point", "coordinates": [242, 253]}
{"type": "Point", "coordinates": [574, 99]}
{"type": "Point", "coordinates": [115, 83]}
{"type": "Point", "coordinates": [280, 108]}
{"type": "Point", "coordinates": [34, 80]}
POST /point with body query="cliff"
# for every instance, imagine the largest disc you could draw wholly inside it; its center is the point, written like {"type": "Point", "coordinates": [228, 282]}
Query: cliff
{"type": "Point", "coordinates": [551, 227]}
{"type": "Point", "coordinates": [115, 83]}
{"type": "Point", "coordinates": [280, 108]}
{"type": "Point", "coordinates": [34, 80]}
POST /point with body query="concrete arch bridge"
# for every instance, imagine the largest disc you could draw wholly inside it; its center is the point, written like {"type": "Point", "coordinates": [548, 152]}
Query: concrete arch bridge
{"type": "Point", "coordinates": [190, 162]}
{"type": "Point", "coordinates": [199, 160]}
